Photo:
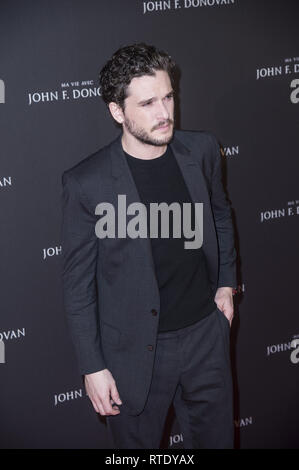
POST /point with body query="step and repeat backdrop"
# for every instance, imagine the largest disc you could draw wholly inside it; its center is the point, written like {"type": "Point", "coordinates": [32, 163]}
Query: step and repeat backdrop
{"type": "Point", "coordinates": [239, 78]}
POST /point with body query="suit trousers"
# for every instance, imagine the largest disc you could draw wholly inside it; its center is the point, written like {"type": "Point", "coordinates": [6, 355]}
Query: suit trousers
{"type": "Point", "coordinates": [192, 370]}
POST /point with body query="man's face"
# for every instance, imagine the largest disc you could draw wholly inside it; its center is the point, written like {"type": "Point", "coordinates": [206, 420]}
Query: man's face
{"type": "Point", "coordinates": [149, 109]}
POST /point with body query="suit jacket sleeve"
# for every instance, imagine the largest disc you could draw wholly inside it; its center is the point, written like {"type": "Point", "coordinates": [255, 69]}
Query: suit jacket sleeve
{"type": "Point", "coordinates": [223, 223]}
{"type": "Point", "coordinates": [79, 255]}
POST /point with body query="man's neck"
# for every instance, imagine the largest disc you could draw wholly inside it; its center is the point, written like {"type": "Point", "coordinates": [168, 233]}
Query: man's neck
{"type": "Point", "coordinates": [138, 149]}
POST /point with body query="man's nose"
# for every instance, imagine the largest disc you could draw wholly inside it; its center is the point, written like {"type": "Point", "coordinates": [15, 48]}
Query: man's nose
{"type": "Point", "coordinates": [162, 112]}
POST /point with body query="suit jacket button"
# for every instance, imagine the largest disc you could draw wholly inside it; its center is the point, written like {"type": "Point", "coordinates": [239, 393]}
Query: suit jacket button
{"type": "Point", "coordinates": [150, 347]}
{"type": "Point", "coordinates": [154, 312]}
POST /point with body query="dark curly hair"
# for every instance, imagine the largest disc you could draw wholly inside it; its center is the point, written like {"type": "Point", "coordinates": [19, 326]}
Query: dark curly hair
{"type": "Point", "coordinates": [127, 63]}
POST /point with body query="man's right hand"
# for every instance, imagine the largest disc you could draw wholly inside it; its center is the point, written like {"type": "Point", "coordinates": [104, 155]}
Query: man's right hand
{"type": "Point", "coordinates": [101, 389]}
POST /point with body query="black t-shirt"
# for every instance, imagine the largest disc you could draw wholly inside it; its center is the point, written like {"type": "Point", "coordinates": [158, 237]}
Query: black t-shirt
{"type": "Point", "coordinates": [185, 292]}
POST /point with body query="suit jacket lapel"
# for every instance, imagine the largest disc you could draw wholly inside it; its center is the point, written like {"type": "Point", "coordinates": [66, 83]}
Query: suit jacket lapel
{"type": "Point", "coordinates": [124, 184]}
{"type": "Point", "coordinates": [192, 171]}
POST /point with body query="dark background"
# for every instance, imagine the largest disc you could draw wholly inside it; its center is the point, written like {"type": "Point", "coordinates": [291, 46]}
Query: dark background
{"type": "Point", "coordinates": [219, 49]}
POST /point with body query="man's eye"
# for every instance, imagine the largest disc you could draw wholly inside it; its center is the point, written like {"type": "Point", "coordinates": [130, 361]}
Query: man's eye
{"type": "Point", "coordinates": [169, 96]}
{"type": "Point", "coordinates": [146, 104]}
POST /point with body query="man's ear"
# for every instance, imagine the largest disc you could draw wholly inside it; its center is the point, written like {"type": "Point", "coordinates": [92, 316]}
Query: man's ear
{"type": "Point", "coordinates": [116, 112]}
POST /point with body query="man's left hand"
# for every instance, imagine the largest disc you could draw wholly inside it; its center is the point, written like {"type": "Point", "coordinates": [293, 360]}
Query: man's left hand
{"type": "Point", "coordinates": [224, 301]}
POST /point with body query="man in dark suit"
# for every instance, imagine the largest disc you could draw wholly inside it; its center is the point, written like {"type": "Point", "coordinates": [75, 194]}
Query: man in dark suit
{"type": "Point", "coordinates": [150, 319]}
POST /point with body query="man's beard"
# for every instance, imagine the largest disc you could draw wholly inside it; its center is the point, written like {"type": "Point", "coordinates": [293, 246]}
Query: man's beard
{"type": "Point", "coordinates": [141, 134]}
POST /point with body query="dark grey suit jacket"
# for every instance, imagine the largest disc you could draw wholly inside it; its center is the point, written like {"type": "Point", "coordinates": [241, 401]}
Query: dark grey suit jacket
{"type": "Point", "coordinates": [109, 285]}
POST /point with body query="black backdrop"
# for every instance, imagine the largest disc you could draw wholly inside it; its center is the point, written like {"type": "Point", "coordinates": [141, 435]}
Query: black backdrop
{"type": "Point", "coordinates": [239, 64]}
